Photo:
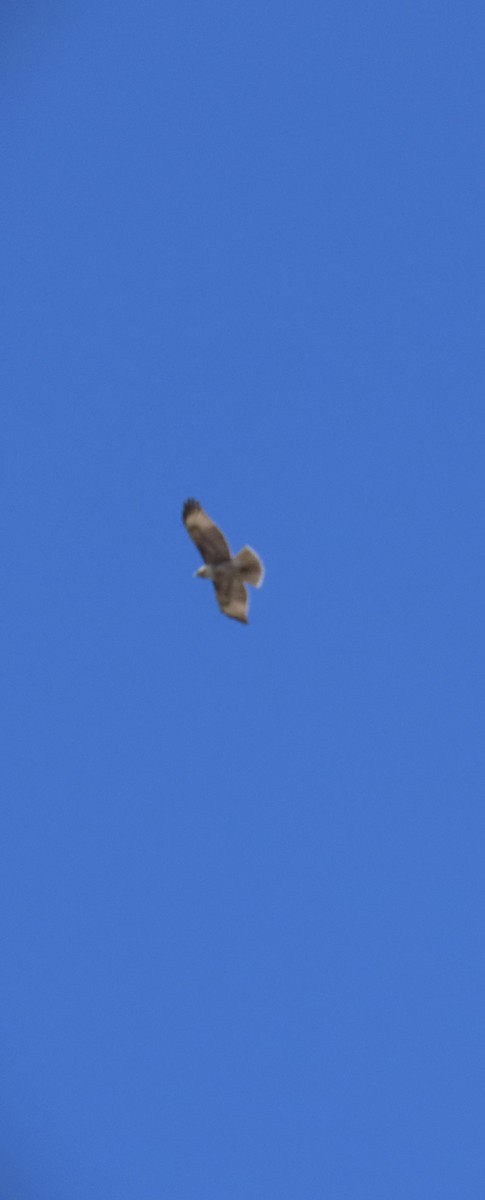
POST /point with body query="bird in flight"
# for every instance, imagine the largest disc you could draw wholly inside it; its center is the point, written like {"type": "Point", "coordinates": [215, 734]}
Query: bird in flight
{"type": "Point", "coordinates": [228, 574]}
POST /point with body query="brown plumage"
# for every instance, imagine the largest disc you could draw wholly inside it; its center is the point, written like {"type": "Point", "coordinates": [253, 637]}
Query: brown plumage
{"type": "Point", "coordinates": [228, 574]}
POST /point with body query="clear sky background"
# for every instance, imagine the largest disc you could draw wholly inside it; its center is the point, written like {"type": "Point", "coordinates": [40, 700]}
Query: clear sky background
{"type": "Point", "coordinates": [242, 870]}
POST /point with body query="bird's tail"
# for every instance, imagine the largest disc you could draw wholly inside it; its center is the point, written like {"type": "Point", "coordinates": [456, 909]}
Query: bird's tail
{"type": "Point", "coordinates": [249, 566]}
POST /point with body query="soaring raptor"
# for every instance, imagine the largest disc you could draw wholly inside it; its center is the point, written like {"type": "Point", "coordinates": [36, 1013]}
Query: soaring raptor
{"type": "Point", "coordinates": [229, 575]}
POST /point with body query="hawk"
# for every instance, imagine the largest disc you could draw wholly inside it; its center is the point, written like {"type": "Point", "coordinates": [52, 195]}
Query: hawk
{"type": "Point", "coordinates": [229, 575]}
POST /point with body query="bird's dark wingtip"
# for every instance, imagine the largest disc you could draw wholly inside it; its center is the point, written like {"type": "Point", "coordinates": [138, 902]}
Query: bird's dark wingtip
{"type": "Point", "coordinates": [190, 506]}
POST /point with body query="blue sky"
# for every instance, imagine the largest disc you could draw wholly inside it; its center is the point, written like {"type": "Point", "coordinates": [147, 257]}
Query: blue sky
{"type": "Point", "coordinates": [242, 885]}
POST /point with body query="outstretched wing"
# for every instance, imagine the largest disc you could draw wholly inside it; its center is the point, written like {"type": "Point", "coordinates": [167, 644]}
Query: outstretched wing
{"type": "Point", "coordinates": [232, 597]}
{"type": "Point", "coordinates": [207, 537]}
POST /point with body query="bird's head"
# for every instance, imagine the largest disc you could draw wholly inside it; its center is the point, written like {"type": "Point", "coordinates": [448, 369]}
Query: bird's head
{"type": "Point", "coordinates": [203, 573]}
